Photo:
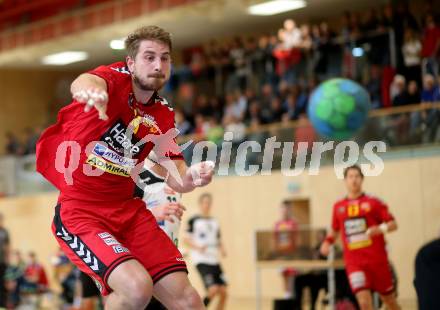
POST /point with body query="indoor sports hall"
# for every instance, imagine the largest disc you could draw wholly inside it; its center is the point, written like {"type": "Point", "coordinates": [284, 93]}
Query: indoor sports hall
{"type": "Point", "coordinates": [308, 133]}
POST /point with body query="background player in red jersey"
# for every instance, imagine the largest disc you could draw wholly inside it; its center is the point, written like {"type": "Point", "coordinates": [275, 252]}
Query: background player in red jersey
{"type": "Point", "coordinates": [363, 220]}
{"type": "Point", "coordinates": [285, 234]}
{"type": "Point", "coordinates": [106, 232]}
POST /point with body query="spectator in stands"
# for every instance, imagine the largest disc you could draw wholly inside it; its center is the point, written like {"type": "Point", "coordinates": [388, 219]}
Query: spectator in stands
{"type": "Point", "coordinates": [404, 19]}
{"type": "Point", "coordinates": [292, 35]}
{"type": "Point", "coordinates": [429, 89]}
{"type": "Point", "coordinates": [431, 118]}
{"type": "Point", "coordinates": [276, 111]}
{"type": "Point", "coordinates": [374, 86]}
{"type": "Point", "coordinates": [214, 133]}
{"type": "Point", "coordinates": [253, 116]}
{"type": "Point", "coordinates": [4, 255]}
{"type": "Point", "coordinates": [431, 45]}
{"type": "Point", "coordinates": [413, 93]}
{"type": "Point", "coordinates": [35, 280]}
{"type": "Point", "coordinates": [35, 275]}
{"type": "Point", "coordinates": [420, 120]}
{"type": "Point", "coordinates": [13, 146]}
{"type": "Point", "coordinates": [321, 38]}
{"type": "Point", "coordinates": [182, 124]}
{"type": "Point", "coordinates": [32, 135]}
{"type": "Point", "coordinates": [240, 105]}
{"type": "Point", "coordinates": [399, 93]}
{"type": "Point", "coordinates": [306, 63]}
{"type": "Point", "coordinates": [202, 106]}
{"type": "Point", "coordinates": [236, 105]}
{"type": "Point", "coordinates": [291, 108]}
{"type": "Point", "coordinates": [396, 86]}
{"type": "Point", "coordinates": [236, 127]}
{"type": "Point", "coordinates": [237, 56]}
{"type": "Point", "coordinates": [14, 279]}
{"type": "Point", "coordinates": [201, 127]}
{"type": "Point", "coordinates": [216, 104]}
{"type": "Point", "coordinates": [411, 50]}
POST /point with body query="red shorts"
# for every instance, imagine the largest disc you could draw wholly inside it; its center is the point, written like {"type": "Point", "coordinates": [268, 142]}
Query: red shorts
{"type": "Point", "coordinates": [372, 276]}
{"type": "Point", "coordinates": [97, 238]}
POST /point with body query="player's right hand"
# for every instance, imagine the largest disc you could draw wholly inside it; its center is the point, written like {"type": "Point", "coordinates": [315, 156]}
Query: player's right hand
{"type": "Point", "coordinates": [168, 212]}
{"type": "Point", "coordinates": [93, 98]}
{"type": "Point", "coordinates": [325, 248]}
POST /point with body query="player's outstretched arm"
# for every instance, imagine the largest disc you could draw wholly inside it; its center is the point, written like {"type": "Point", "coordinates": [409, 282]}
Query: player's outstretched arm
{"type": "Point", "coordinates": [92, 91]}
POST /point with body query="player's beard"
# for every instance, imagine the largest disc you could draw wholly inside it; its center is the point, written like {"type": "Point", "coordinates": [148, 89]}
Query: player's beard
{"type": "Point", "coordinates": [158, 78]}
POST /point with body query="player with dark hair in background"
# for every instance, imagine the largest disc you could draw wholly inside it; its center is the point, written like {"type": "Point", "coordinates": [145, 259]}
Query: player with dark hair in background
{"type": "Point", "coordinates": [204, 240]}
{"type": "Point", "coordinates": [363, 220]}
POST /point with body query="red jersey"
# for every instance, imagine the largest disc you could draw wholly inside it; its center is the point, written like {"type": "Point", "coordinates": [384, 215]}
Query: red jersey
{"type": "Point", "coordinates": [353, 217]}
{"type": "Point", "coordinates": [430, 41]}
{"type": "Point", "coordinates": [110, 149]}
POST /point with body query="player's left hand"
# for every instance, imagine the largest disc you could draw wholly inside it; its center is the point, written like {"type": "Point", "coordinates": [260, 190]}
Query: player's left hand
{"type": "Point", "coordinates": [373, 231]}
{"type": "Point", "coordinates": [168, 212]}
{"type": "Point", "coordinates": [201, 173]}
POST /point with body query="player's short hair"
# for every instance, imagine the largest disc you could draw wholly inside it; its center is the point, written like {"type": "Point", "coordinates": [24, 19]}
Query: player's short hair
{"type": "Point", "coordinates": [152, 33]}
{"type": "Point", "coordinates": [205, 195]}
{"type": "Point", "coordinates": [354, 167]}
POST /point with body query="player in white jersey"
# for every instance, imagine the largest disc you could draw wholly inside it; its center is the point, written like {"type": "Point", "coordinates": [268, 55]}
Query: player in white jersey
{"type": "Point", "coordinates": [203, 237]}
{"type": "Point", "coordinates": [164, 203]}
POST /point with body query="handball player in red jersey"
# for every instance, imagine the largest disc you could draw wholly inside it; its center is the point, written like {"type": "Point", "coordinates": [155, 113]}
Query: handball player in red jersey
{"type": "Point", "coordinates": [93, 155]}
{"type": "Point", "coordinates": [363, 220]}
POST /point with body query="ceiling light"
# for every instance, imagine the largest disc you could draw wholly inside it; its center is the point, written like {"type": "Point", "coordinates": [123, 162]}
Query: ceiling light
{"type": "Point", "coordinates": [118, 44]}
{"type": "Point", "coordinates": [64, 58]}
{"type": "Point", "coordinates": [275, 7]}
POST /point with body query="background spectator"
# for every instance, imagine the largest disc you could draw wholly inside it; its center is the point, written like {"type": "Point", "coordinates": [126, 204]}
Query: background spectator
{"type": "Point", "coordinates": [411, 50]}
{"type": "Point", "coordinates": [13, 146]}
{"type": "Point", "coordinates": [431, 45]}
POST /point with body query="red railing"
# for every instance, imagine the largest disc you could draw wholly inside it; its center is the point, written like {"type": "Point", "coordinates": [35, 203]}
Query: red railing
{"type": "Point", "coordinates": [80, 20]}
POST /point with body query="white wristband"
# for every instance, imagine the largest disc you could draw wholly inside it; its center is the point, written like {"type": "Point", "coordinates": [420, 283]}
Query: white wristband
{"type": "Point", "coordinates": [384, 228]}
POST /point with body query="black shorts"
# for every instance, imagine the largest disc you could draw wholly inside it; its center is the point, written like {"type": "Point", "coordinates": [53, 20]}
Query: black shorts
{"type": "Point", "coordinates": [89, 288]}
{"type": "Point", "coordinates": [211, 275]}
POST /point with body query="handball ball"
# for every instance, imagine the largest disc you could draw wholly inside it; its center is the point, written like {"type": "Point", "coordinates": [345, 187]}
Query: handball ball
{"type": "Point", "coordinates": [338, 108]}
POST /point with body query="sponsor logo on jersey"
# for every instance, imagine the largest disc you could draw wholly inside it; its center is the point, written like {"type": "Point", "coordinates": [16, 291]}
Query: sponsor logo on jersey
{"type": "Point", "coordinates": [117, 138]}
{"type": "Point", "coordinates": [111, 241]}
{"type": "Point", "coordinates": [104, 235]}
{"type": "Point", "coordinates": [114, 157]}
{"type": "Point", "coordinates": [357, 279]}
{"type": "Point", "coordinates": [104, 165]}
{"type": "Point", "coordinates": [121, 69]}
{"type": "Point", "coordinates": [118, 249]}
{"type": "Point", "coordinates": [180, 259]}
{"type": "Point", "coordinates": [355, 226]}
{"type": "Point", "coordinates": [148, 121]}
{"type": "Point", "coordinates": [366, 207]}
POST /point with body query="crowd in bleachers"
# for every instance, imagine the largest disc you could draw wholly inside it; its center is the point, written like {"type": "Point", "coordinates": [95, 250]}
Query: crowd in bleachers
{"type": "Point", "coordinates": [245, 82]}
{"type": "Point", "coordinates": [22, 146]}
{"type": "Point", "coordinates": [22, 279]}
{"type": "Point", "coordinates": [249, 81]}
